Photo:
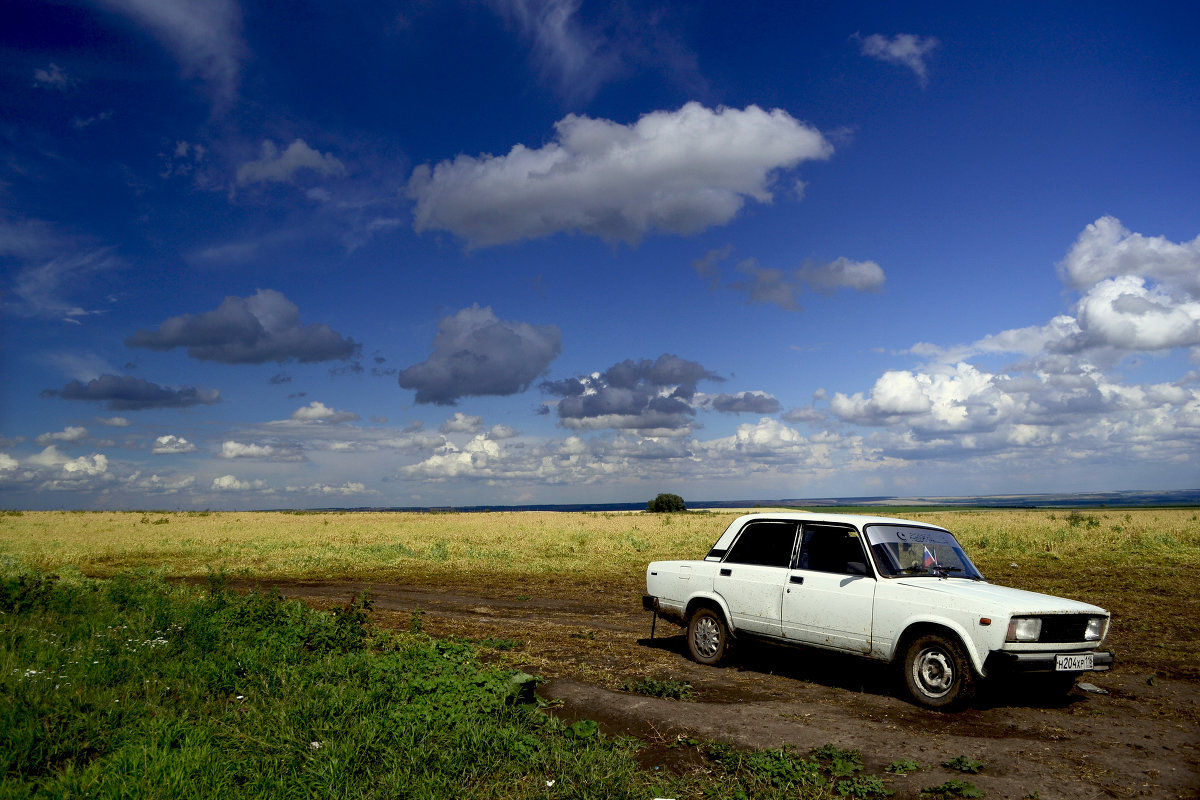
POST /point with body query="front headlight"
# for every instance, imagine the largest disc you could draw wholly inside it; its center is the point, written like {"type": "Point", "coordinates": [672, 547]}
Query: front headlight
{"type": "Point", "coordinates": [1095, 629]}
{"type": "Point", "coordinates": [1024, 629]}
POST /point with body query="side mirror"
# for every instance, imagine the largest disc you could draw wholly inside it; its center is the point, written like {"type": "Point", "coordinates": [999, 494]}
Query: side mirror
{"type": "Point", "coordinates": [856, 568]}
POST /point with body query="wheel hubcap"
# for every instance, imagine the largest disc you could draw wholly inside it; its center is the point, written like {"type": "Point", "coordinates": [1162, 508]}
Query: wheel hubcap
{"type": "Point", "coordinates": [933, 672]}
{"type": "Point", "coordinates": [707, 637]}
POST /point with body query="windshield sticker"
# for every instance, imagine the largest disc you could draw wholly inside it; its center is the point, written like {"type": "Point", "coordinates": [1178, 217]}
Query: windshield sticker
{"type": "Point", "coordinates": [879, 534]}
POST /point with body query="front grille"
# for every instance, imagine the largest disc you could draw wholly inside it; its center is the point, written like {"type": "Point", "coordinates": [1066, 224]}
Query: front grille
{"type": "Point", "coordinates": [1064, 628]}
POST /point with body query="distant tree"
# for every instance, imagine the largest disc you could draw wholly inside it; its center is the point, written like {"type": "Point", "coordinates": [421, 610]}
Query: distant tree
{"type": "Point", "coordinates": [665, 503]}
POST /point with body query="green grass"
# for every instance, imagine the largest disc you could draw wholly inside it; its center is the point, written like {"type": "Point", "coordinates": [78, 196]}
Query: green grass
{"type": "Point", "coordinates": [133, 687]}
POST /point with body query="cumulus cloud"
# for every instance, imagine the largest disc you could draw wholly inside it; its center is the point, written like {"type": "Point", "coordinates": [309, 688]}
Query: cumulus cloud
{"type": "Point", "coordinates": [1138, 294]}
{"type": "Point", "coordinates": [745, 403]}
{"type": "Point", "coordinates": [248, 330]}
{"type": "Point", "coordinates": [1107, 249]}
{"type": "Point", "coordinates": [649, 396]}
{"type": "Point", "coordinates": [671, 171]}
{"type": "Point", "coordinates": [126, 393]}
{"type": "Point", "coordinates": [477, 354]}
{"type": "Point", "coordinates": [204, 37]}
{"type": "Point", "coordinates": [231, 483]}
{"type": "Point", "coordinates": [7, 463]}
{"type": "Point", "coordinates": [461, 423]}
{"type": "Point", "coordinates": [766, 442]}
{"type": "Point", "coordinates": [158, 484]}
{"type": "Point", "coordinates": [171, 445]}
{"type": "Point", "coordinates": [317, 411]}
{"type": "Point", "coordinates": [72, 434]}
{"type": "Point", "coordinates": [83, 466]}
{"type": "Point", "coordinates": [903, 49]}
{"type": "Point", "coordinates": [276, 167]}
{"type": "Point", "coordinates": [1126, 314]}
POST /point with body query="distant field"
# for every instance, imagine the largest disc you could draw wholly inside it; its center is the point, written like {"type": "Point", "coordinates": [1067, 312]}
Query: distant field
{"type": "Point", "coordinates": [1139, 563]}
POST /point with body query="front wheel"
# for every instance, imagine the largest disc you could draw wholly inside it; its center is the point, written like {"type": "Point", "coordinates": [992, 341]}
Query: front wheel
{"type": "Point", "coordinates": [708, 636]}
{"type": "Point", "coordinates": [937, 672]}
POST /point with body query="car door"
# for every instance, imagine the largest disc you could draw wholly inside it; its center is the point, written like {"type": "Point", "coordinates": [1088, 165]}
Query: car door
{"type": "Point", "coordinates": [830, 590]}
{"type": "Point", "coordinates": [752, 575]}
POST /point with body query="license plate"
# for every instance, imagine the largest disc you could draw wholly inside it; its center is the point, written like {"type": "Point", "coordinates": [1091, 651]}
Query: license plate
{"type": "Point", "coordinates": [1074, 662]}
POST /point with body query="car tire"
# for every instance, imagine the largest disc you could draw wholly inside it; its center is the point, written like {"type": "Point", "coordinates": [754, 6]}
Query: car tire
{"type": "Point", "coordinates": [937, 672]}
{"type": "Point", "coordinates": [707, 636]}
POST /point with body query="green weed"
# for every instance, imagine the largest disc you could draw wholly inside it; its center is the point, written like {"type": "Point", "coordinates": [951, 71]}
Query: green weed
{"type": "Point", "coordinates": [902, 767]}
{"type": "Point", "coordinates": [964, 764]}
{"type": "Point", "coordinates": [951, 789]}
{"type": "Point", "coordinates": [671, 690]}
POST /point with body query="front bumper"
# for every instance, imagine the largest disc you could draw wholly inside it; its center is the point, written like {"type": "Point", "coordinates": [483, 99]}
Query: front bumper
{"type": "Point", "coordinates": [1011, 662]}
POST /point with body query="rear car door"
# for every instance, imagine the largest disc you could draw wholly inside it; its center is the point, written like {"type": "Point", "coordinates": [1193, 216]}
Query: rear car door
{"type": "Point", "coordinates": [751, 578]}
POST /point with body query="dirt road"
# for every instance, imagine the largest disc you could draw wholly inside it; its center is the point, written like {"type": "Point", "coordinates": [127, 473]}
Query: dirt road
{"type": "Point", "coordinates": [1137, 737]}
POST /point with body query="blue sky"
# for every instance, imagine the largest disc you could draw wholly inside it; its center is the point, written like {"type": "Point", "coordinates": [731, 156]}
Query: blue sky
{"type": "Point", "coordinates": [543, 251]}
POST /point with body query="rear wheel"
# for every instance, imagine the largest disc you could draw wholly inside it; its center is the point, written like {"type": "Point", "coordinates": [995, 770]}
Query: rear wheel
{"type": "Point", "coordinates": [937, 672]}
{"type": "Point", "coordinates": [708, 636]}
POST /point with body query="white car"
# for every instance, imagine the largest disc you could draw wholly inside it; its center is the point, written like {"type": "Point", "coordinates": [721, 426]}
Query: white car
{"type": "Point", "coordinates": [888, 589]}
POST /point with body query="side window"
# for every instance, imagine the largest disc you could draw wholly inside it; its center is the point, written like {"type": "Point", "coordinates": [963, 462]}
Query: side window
{"type": "Point", "coordinates": [767, 544]}
{"type": "Point", "coordinates": [832, 549]}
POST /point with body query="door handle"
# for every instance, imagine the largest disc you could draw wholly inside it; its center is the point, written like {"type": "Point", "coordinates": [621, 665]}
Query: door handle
{"type": "Point", "coordinates": [726, 571]}
{"type": "Point", "coordinates": [797, 579]}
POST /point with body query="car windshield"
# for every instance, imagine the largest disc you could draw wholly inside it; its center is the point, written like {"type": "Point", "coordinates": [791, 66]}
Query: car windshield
{"type": "Point", "coordinates": [901, 551]}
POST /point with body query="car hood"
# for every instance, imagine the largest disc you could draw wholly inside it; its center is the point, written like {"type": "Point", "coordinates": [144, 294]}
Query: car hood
{"type": "Point", "coordinates": [1006, 598]}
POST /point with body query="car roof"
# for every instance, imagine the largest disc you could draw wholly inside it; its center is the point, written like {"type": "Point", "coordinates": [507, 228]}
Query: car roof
{"type": "Point", "coordinates": [857, 520]}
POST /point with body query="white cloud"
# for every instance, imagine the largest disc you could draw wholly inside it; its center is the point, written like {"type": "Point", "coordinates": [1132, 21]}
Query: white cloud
{"type": "Point", "coordinates": [204, 37]}
{"type": "Point", "coordinates": [276, 167]}
{"type": "Point", "coordinates": [156, 484]}
{"type": "Point", "coordinates": [1139, 294]}
{"type": "Point", "coordinates": [461, 423]}
{"type": "Point", "coordinates": [904, 49]}
{"type": "Point", "coordinates": [231, 449]}
{"type": "Point", "coordinates": [672, 171]}
{"type": "Point", "coordinates": [345, 490]}
{"type": "Point", "coordinates": [1107, 249]}
{"type": "Point", "coordinates": [97, 464]}
{"type": "Point", "coordinates": [114, 422]}
{"type": "Point", "coordinates": [499, 433]}
{"type": "Point", "coordinates": [1126, 314]}
{"type": "Point", "coordinates": [231, 483]}
{"type": "Point", "coordinates": [957, 399]}
{"type": "Point", "coordinates": [7, 463]}
{"type": "Point", "coordinates": [317, 411]}
{"type": "Point", "coordinates": [172, 445]}
{"type": "Point", "coordinates": [72, 434]}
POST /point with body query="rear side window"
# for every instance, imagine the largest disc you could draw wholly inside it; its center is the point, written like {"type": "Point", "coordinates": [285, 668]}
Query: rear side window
{"type": "Point", "coordinates": [767, 544]}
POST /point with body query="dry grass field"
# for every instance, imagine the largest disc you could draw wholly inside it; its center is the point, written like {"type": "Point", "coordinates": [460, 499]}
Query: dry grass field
{"type": "Point", "coordinates": [1139, 563]}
